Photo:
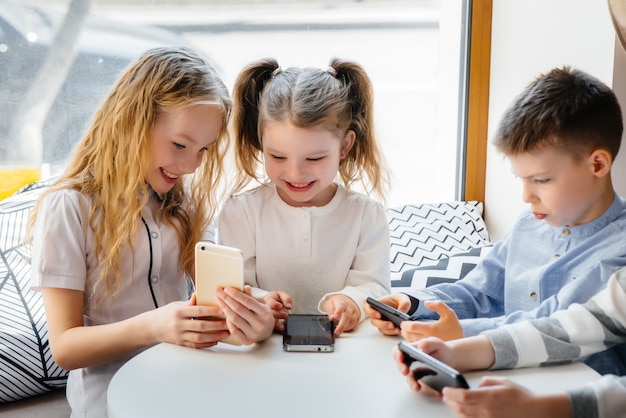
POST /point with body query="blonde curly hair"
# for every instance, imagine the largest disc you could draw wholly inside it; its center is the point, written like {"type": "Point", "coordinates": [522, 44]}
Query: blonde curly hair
{"type": "Point", "coordinates": [110, 162]}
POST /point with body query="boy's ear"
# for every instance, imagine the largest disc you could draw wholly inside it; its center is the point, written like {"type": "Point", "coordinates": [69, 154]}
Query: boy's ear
{"type": "Point", "coordinates": [347, 143]}
{"type": "Point", "coordinates": [602, 161]}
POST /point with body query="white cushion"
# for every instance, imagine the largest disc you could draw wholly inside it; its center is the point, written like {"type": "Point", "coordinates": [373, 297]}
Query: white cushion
{"type": "Point", "coordinates": [422, 234]}
{"type": "Point", "coordinates": [26, 365]}
{"type": "Point", "coordinates": [447, 270]}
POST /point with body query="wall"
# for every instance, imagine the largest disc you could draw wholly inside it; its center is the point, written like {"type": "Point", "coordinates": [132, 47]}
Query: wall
{"type": "Point", "coordinates": [619, 87]}
{"type": "Point", "coordinates": [531, 37]}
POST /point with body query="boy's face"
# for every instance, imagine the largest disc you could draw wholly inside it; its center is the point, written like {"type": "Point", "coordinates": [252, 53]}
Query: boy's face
{"type": "Point", "coordinates": [560, 189]}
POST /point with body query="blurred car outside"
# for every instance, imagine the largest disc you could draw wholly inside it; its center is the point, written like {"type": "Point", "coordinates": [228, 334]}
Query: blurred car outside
{"type": "Point", "coordinates": [104, 48]}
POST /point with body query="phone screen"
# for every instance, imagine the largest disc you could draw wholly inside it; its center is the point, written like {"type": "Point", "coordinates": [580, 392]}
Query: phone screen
{"type": "Point", "coordinates": [313, 333]}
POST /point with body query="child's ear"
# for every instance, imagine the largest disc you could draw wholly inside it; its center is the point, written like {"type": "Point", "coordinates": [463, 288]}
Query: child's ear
{"type": "Point", "coordinates": [347, 143]}
{"type": "Point", "coordinates": [602, 161]}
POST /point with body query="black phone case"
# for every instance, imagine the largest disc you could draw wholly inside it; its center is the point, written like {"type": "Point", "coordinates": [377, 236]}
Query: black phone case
{"type": "Point", "coordinates": [309, 333]}
{"type": "Point", "coordinates": [388, 313]}
{"type": "Point", "coordinates": [429, 370]}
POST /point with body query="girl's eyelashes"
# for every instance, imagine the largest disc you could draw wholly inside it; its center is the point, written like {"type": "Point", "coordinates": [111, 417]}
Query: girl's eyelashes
{"type": "Point", "coordinates": [313, 159]}
{"type": "Point", "coordinates": [541, 181]}
{"type": "Point", "coordinates": [181, 147]}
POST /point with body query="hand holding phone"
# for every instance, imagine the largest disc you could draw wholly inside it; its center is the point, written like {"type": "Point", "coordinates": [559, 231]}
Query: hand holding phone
{"type": "Point", "coordinates": [217, 266]}
{"type": "Point", "coordinates": [430, 371]}
{"type": "Point", "coordinates": [388, 313]}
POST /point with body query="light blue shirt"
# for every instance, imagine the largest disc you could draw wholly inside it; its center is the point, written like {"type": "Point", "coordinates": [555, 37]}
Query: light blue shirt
{"type": "Point", "coordinates": [535, 270]}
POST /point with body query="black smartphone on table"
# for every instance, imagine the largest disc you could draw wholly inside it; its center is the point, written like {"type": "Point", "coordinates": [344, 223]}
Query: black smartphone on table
{"type": "Point", "coordinates": [309, 333]}
{"type": "Point", "coordinates": [388, 313]}
{"type": "Point", "coordinates": [430, 371]}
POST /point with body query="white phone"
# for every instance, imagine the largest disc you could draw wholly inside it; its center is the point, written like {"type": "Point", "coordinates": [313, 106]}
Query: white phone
{"type": "Point", "coordinates": [217, 266]}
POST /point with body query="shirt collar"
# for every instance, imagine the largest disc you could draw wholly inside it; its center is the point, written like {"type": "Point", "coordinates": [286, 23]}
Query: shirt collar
{"type": "Point", "coordinates": [615, 210]}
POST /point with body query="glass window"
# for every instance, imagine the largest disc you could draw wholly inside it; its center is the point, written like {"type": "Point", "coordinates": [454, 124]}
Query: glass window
{"type": "Point", "coordinates": [413, 50]}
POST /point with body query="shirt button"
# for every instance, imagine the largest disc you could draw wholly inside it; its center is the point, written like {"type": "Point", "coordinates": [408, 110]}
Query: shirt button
{"type": "Point", "coordinates": [154, 235]}
{"type": "Point", "coordinates": [555, 256]}
{"type": "Point", "coordinates": [565, 232]}
{"type": "Point", "coordinates": [533, 295]}
{"type": "Point", "coordinates": [305, 237]}
{"type": "Point", "coordinates": [155, 279]}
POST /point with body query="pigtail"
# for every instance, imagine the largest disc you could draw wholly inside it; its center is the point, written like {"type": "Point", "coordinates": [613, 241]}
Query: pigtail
{"type": "Point", "coordinates": [365, 157]}
{"type": "Point", "coordinates": [247, 92]}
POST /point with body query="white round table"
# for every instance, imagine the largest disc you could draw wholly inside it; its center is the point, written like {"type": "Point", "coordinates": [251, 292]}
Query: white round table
{"type": "Point", "coordinates": [359, 379]}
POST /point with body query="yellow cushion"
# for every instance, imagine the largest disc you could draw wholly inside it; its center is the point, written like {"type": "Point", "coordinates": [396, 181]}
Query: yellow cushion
{"type": "Point", "coordinates": [13, 179]}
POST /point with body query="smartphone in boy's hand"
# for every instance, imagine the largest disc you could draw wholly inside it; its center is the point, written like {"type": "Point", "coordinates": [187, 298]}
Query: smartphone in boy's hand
{"type": "Point", "coordinates": [430, 371]}
{"type": "Point", "coordinates": [388, 313]}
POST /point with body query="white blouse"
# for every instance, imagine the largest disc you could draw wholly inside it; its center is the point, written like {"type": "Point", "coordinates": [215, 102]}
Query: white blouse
{"type": "Point", "coordinates": [63, 257]}
{"type": "Point", "coordinates": [310, 252]}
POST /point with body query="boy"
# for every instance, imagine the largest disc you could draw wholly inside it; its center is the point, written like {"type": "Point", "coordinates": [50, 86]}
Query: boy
{"type": "Point", "coordinates": [565, 335]}
{"type": "Point", "coordinates": [561, 136]}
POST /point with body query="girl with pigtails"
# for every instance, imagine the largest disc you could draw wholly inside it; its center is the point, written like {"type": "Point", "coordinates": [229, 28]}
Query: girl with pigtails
{"type": "Point", "coordinates": [304, 139]}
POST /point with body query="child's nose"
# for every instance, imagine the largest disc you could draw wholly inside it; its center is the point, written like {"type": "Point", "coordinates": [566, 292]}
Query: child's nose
{"type": "Point", "coordinates": [296, 169]}
{"type": "Point", "coordinates": [528, 195]}
{"type": "Point", "coordinates": [190, 163]}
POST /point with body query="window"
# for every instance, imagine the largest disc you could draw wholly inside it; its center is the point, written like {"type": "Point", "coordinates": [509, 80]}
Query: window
{"type": "Point", "coordinates": [414, 51]}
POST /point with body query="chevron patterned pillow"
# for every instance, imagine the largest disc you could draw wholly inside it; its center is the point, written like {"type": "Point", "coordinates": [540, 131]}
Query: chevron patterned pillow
{"type": "Point", "coordinates": [26, 365]}
{"type": "Point", "coordinates": [447, 270]}
{"type": "Point", "coordinates": [422, 234]}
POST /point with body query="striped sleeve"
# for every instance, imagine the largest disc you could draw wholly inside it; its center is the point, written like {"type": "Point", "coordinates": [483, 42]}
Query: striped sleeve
{"type": "Point", "coordinates": [566, 335]}
{"type": "Point", "coordinates": [603, 398]}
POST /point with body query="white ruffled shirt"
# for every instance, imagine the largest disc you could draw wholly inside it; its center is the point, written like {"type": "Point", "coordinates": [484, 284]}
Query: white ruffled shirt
{"type": "Point", "coordinates": [310, 252]}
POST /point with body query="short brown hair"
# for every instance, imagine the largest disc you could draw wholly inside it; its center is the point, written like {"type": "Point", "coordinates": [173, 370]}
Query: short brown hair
{"type": "Point", "coordinates": [565, 108]}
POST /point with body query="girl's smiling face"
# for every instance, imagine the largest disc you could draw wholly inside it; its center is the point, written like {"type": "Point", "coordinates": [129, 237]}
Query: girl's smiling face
{"type": "Point", "coordinates": [303, 162]}
{"type": "Point", "coordinates": [179, 140]}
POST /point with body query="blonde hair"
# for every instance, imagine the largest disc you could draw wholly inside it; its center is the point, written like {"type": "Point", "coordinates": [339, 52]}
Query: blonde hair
{"type": "Point", "coordinates": [110, 162]}
{"type": "Point", "coordinates": [339, 99]}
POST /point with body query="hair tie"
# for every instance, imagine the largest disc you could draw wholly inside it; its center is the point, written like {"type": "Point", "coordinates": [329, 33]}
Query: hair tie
{"type": "Point", "coordinates": [276, 71]}
{"type": "Point", "coordinates": [331, 71]}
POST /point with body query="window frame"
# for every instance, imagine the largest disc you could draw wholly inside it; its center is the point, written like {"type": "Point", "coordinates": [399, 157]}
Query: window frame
{"type": "Point", "coordinates": [475, 167]}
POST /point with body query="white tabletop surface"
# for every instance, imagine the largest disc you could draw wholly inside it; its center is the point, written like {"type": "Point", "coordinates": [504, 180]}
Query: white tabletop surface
{"type": "Point", "coordinates": [359, 379]}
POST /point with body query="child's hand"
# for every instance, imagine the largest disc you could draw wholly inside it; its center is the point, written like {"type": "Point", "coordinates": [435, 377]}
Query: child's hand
{"type": "Point", "coordinates": [280, 304]}
{"type": "Point", "coordinates": [185, 323]}
{"type": "Point", "coordinates": [399, 301]}
{"type": "Point", "coordinates": [497, 397]}
{"type": "Point", "coordinates": [433, 346]}
{"type": "Point", "coordinates": [447, 327]}
{"type": "Point", "coordinates": [345, 310]}
{"type": "Point", "coordinates": [248, 319]}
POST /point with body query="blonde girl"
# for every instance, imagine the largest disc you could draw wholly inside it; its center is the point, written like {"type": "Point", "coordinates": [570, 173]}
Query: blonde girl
{"type": "Point", "coordinates": [113, 238]}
